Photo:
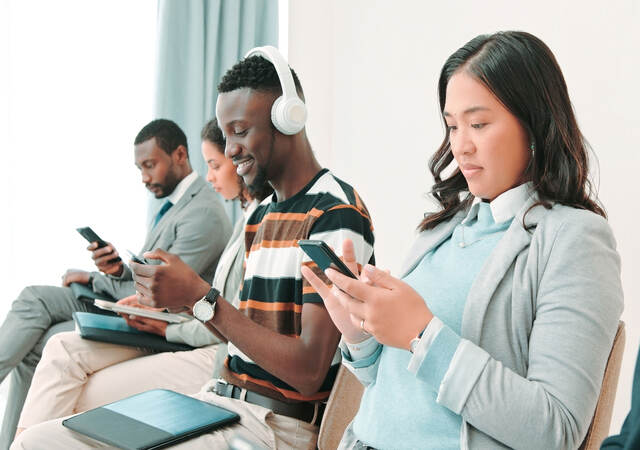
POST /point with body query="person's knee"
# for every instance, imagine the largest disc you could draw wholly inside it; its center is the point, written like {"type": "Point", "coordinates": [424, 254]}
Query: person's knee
{"type": "Point", "coordinates": [56, 345]}
{"type": "Point", "coordinates": [30, 299]}
{"type": "Point", "coordinates": [39, 436]}
{"type": "Point", "coordinates": [22, 439]}
{"type": "Point", "coordinates": [59, 350]}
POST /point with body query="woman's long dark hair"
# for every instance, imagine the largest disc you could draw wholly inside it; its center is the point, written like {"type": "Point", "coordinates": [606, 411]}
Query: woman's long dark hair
{"type": "Point", "coordinates": [520, 70]}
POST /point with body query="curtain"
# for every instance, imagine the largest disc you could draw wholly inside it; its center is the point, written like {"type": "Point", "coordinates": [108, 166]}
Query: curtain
{"type": "Point", "coordinates": [198, 41]}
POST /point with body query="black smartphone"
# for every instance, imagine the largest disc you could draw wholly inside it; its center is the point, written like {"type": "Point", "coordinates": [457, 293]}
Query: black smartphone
{"type": "Point", "coordinates": [91, 236]}
{"type": "Point", "coordinates": [135, 258]}
{"type": "Point", "coordinates": [323, 256]}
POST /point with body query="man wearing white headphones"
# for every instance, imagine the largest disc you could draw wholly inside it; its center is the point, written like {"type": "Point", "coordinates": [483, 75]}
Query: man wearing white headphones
{"type": "Point", "coordinates": [282, 343]}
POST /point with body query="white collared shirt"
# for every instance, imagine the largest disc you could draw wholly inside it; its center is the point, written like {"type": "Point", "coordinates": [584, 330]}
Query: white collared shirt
{"type": "Point", "coordinates": [505, 206]}
{"type": "Point", "coordinates": [181, 188]}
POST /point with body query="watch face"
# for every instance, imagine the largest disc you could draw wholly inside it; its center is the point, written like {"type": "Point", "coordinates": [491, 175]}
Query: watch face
{"type": "Point", "coordinates": [203, 310]}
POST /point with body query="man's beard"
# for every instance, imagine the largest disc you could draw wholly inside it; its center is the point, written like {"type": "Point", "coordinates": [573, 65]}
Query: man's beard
{"type": "Point", "coordinates": [170, 182]}
{"type": "Point", "coordinates": [261, 179]}
{"type": "Point", "coordinates": [258, 182]}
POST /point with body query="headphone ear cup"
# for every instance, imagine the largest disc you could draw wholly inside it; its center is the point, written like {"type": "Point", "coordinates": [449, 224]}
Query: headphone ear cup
{"type": "Point", "coordinates": [288, 116]}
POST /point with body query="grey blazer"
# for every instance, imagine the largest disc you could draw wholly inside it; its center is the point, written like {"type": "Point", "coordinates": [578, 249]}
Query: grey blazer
{"type": "Point", "coordinates": [196, 229]}
{"type": "Point", "coordinates": [537, 329]}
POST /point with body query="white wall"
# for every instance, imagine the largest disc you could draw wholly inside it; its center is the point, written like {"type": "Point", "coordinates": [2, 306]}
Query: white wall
{"type": "Point", "coordinates": [370, 68]}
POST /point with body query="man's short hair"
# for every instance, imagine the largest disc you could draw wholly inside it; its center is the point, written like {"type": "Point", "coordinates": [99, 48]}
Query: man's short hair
{"type": "Point", "coordinates": [212, 133]}
{"type": "Point", "coordinates": [168, 135]}
{"type": "Point", "coordinates": [256, 73]}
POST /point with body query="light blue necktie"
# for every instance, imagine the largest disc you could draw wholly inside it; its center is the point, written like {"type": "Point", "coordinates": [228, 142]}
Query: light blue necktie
{"type": "Point", "coordinates": [162, 212]}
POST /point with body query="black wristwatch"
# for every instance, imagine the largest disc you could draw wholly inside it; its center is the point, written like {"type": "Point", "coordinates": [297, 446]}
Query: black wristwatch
{"type": "Point", "coordinates": [205, 308]}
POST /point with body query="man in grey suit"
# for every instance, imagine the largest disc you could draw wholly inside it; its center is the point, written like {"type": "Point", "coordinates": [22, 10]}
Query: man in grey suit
{"type": "Point", "coordinates": [191, 223]}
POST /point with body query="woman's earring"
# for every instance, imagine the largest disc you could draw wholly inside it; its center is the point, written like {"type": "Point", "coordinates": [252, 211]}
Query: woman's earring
{"type": "Point", "coordinates": [532, 147]}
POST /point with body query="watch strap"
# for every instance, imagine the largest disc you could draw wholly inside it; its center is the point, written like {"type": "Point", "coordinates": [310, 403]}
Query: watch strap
{"type": "Point", "coordinates": [212, 296]}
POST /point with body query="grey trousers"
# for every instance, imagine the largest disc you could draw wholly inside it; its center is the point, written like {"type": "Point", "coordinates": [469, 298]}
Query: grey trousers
{"type": "Point", "coordinates": [38, 313]}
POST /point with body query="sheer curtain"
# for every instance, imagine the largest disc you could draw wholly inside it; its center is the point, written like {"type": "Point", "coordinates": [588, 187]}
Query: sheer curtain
{"type": "Point", "coordinates": [198, 41]}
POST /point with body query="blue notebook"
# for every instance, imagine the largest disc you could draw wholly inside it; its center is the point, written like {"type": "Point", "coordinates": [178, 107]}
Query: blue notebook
{"type": "Point", "coordinates": [150, 420]}
{"type": "Point", "coordinates": [114, 329]}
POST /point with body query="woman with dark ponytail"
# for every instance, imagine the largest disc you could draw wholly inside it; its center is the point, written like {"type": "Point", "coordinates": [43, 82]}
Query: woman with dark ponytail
{"type": "Point", "coordinates": [498, 333]}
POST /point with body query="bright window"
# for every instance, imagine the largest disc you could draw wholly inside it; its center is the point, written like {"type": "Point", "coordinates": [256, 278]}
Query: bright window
{"type": "Point", "coordinates": [76, 85]}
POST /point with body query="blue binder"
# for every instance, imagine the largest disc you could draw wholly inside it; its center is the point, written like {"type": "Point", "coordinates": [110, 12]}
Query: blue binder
{"type": "Point", "coordinates": [114, 329]}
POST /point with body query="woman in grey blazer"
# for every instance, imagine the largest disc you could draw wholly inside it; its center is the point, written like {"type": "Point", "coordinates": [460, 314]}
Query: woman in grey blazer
{"type": "Point", "coordinates": [498, 333]}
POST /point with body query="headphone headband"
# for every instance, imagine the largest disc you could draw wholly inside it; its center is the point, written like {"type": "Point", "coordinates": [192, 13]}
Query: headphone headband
{"type": "Point", "coordinates": [282, 68]}
{"type": "Point", "coordinates": [288, 112]}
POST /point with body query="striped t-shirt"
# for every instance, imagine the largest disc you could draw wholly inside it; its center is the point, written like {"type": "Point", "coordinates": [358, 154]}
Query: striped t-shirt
{"type": "Point", "coordinates": [274, 290]}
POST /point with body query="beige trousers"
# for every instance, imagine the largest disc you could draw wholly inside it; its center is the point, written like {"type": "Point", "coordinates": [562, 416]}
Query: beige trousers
{"type": "Point", "coordinates": [76, 374]}
{"type": "Point", "coordinates": [257, 425]}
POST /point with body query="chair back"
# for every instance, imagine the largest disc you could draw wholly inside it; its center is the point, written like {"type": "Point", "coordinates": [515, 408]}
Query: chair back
{"type": "Point", "coordinates": [342, 407]}
{"type": "Point", "coordinates": [599, 428]}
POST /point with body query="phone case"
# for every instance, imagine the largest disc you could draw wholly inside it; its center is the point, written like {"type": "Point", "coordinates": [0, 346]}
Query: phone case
{"type": "Point", "coordinates": [91, 236]}
{"type": "Point", "coordinates": [323, 256]}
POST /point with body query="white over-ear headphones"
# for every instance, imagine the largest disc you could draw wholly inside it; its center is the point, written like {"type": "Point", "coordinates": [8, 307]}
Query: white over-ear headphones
{"type": "Point", "coordinates": [288, 112]}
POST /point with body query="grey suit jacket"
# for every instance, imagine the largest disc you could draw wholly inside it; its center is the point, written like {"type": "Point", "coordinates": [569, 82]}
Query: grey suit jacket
{"type": "Point", "coordinates": [537, 329]}
{"type": "Point", "coordinates": [196, 229]}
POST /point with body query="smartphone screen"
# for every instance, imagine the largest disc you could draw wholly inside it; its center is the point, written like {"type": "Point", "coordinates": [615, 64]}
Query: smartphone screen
{"type": "Point", "coordinates": [323, 256]}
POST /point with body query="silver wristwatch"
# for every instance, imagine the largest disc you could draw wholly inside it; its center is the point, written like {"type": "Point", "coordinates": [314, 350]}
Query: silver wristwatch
{"type": "Point", "coordinates": [205, 308]}
{"type": "Point", "coordinates": [414, 344]}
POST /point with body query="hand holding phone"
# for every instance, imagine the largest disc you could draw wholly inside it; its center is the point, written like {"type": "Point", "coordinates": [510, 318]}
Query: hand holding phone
{"type": "Point", "coordinates": [104, 258]}
{"type": "Point", "coordinates": [92, 237]}
{"type": "Point", "coordinates": [337, 309]}
{"type": "Point", "coordinates": [324, 257]}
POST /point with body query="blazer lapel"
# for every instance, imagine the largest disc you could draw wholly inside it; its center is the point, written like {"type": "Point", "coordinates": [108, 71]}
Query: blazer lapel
{"type": "Point", "coordinates": [157, 231]}
{"type": "Point", "coordinates": [428, 241]}
{"type": "Point", "coordinates": [515, 239]}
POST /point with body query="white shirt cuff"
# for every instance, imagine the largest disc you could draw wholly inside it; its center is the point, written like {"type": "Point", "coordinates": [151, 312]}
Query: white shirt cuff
{"type": "Point", "coordinates": [363, 349]}
{"type": "Point", "coordinates": [429, 335]}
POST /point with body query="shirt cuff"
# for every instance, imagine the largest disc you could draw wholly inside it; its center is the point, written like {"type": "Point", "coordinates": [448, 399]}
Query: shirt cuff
{"type": "Point", "coordinates": [362, 354]}
{"type": "Point", "coordinates": [172, 334]}
{"type": "Point", "coordinates": [428, 335]}
{"type": "Point", "coordinates": [92, 278]}
{"type": "Point", "coordinates": [362, 349]}
{"type": "Point", "coordinates": [434, 353]}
